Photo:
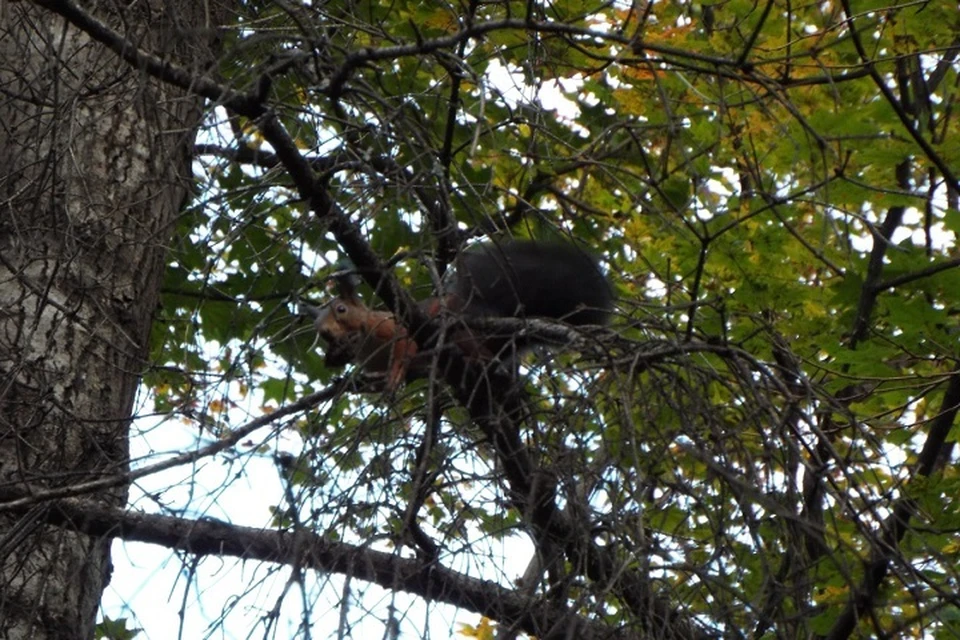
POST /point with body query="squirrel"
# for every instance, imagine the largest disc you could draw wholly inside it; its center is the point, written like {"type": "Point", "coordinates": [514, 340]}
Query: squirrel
{"type": "Point", "coordinates": [510, 279]}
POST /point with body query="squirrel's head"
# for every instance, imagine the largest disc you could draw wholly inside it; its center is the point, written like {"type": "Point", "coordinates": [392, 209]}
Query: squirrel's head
{"type": "Point", "coordinates": [345, 323]}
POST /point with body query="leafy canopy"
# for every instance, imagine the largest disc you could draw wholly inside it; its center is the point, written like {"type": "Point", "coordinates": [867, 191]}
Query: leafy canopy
{"type": "Point", "coordinates": [773, 190]}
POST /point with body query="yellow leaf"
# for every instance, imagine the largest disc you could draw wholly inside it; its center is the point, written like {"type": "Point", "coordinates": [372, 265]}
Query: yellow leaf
{"type": "Point", "coordinates": [486, 630]}
{"type": "Point", "coordinates": [670, 33]}
{"type": "Point", "coordinates": [442, 20]}
{"type": "Point", "coordinates": [812, 309]}
{"type": "Point", "coordinates": [641, 73]}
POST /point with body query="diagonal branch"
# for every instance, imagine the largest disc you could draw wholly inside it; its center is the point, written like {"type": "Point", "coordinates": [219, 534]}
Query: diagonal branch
{"type": "Point", "coordinates": [227, 442]}
{"type": "Point", "coordinates": [913, 276]}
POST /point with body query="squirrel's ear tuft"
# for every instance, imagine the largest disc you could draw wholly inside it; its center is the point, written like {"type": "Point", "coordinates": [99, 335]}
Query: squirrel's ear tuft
{"type": "Point", "coordinates": [346, 280]}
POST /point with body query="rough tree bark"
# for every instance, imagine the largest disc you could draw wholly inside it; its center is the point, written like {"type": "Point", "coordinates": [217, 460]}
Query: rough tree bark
{"type": "Point", "coordinates": [94, 166]}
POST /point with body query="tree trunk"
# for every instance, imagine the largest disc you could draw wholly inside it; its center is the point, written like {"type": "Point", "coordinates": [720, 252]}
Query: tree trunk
{"type": "Point", "coordinates": [94, 167]}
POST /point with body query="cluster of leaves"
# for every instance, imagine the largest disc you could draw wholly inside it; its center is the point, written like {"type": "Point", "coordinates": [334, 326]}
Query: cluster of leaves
{"type": "Point", "coordinates": [773, 190]}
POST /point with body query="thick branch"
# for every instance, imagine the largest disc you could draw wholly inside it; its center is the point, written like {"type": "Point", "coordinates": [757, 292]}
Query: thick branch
{"type": "Point", "coordinates": [307, 550]}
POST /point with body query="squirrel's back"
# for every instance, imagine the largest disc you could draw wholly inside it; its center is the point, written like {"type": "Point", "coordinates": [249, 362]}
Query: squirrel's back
{"type": "Point", "coordinates": [528, 278]}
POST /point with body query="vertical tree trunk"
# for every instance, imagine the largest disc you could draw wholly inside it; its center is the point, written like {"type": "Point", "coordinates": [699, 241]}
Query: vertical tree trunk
{"type": "Point", "coordinates": [94, 166]}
